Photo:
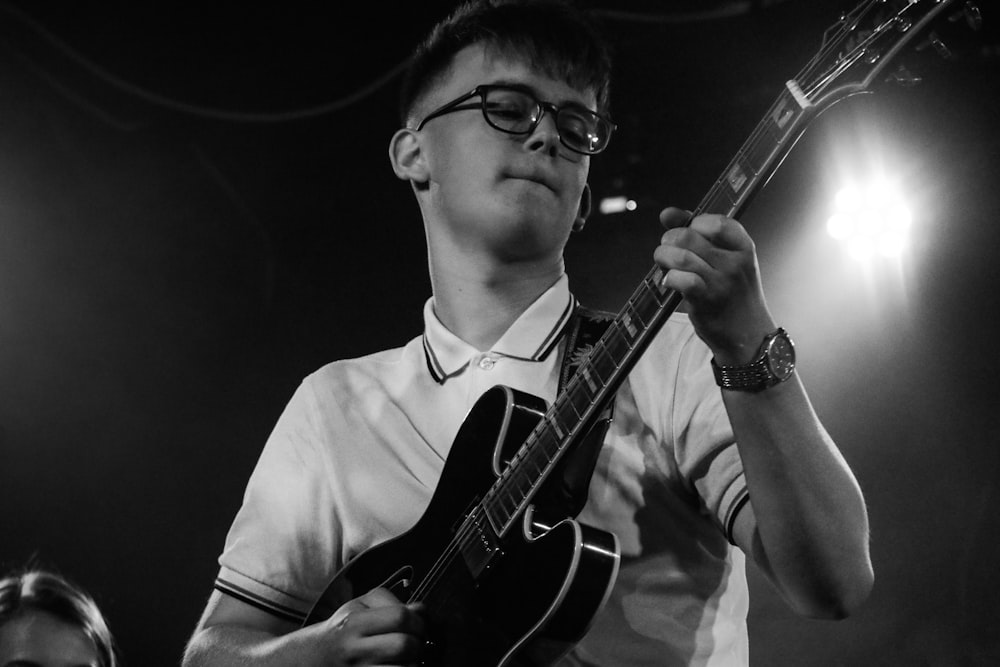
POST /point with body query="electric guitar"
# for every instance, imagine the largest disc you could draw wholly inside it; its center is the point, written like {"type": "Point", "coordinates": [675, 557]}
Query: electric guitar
{"type": "Point", "coordinates": [506, 580]}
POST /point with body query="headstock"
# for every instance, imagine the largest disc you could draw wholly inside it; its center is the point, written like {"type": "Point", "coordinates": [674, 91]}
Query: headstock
{"type": "Point", "coordinates": [862, 47]}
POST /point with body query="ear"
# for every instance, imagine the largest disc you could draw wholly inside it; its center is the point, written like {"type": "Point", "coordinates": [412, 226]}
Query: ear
{"type": "Point", "coordinates": [407, 157]}
{"type": "Point", "coordinates": [584, 211]}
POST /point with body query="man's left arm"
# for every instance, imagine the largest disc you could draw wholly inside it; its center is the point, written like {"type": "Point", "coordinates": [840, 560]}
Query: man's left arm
{"type": "Point", "coordinates": [806, 525]}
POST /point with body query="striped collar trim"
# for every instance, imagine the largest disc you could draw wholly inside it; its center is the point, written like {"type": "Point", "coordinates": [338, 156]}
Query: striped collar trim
{"type": "Point", "coordinates": [532, 337]}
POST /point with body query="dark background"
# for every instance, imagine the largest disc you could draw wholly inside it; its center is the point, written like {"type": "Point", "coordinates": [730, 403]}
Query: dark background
{"type": "Point", "coordinates": [196, 210]}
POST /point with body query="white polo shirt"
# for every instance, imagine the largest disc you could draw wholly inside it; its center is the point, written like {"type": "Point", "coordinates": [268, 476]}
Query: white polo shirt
{"type": "Point", "coordinates": [357, 453]}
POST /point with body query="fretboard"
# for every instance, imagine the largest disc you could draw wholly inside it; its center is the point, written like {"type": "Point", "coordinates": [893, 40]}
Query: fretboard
{"type": "Point", "coordinates": [600, 375]}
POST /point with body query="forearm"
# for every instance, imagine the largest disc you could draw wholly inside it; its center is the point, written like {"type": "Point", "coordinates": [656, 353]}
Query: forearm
{"type": "Point", "coordinates": [811, 530]}
{"type": "Point", "coordinates": [233, 645]}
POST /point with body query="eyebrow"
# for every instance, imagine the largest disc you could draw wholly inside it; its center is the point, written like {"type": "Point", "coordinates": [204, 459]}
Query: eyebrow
{"type": "Point", "coordinates": [520, 85]}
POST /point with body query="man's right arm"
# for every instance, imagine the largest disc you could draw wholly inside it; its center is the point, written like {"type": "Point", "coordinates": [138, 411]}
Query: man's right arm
{"type": "Point", "coordinates": [374, 629]}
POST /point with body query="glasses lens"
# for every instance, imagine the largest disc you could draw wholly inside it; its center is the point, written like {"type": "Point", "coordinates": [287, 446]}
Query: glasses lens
{"type": "Point", "coordinates": [517, 112]}
{"type": "Point", "coordinates": [582, 130]}
{"type": "Point", "coordinates": [510, 110]}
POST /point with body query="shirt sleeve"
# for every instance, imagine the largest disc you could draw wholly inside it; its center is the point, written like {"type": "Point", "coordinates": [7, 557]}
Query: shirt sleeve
{"type": "Point", "coordinates": [279, 551]}
{"type": "Point", "coordinates": [706, 451]}
{"type": "Point", "coordinates": [693, 421]}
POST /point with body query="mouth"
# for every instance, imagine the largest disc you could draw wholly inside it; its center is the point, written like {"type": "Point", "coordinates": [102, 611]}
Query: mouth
{"type": "Point", "coordinates": [535, 177]}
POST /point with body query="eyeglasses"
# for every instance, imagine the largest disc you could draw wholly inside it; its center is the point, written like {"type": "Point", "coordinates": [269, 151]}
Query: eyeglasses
{"type": "Point", "coordinates": [517, 111]}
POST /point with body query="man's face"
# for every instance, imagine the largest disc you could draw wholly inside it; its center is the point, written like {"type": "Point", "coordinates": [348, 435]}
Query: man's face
{"type": "Point", "coordinates": [512, 196]}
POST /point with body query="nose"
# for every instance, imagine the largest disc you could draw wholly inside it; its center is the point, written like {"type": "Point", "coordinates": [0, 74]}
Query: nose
{"type": "Point", "coordinates": [545, 136]}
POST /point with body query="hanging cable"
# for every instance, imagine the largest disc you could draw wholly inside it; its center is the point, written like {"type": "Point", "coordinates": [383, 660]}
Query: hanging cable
{"type": "Point", "coordinates": [197, 110]}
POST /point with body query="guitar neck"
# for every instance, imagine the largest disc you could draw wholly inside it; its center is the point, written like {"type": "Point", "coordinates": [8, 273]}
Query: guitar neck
{"type": "Point", "coordinates": [578, 407]}
{"type": "Point", "coordinates": [848, 62]}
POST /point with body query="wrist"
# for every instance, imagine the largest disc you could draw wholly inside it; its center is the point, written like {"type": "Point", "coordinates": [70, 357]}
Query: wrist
{"type": "Point", "coordinates": [738, 354]}
{"type": "Point", "coordinates": [743, 344]}
{"type": "Point", "coordinates": [772, 363]}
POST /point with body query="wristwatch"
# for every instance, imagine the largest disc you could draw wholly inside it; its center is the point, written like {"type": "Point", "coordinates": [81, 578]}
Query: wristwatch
{"type": "Point", "coordinates": [775, 362]}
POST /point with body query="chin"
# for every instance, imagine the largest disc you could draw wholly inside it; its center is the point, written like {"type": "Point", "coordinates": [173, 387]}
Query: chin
{"type": "Point", "coordinates": [530, 242]}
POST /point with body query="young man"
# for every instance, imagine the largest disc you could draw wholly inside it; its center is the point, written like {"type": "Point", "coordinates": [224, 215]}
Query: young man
{"type": "Point", "coordinates": [505, 106]}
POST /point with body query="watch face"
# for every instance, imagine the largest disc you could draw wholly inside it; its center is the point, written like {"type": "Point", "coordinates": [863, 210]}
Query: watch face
{"type": "Point", "coordinates": [781, 356]}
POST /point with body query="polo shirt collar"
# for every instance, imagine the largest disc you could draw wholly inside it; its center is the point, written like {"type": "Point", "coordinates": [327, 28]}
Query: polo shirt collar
{"type": "Point", "coordinates": [531, 337]}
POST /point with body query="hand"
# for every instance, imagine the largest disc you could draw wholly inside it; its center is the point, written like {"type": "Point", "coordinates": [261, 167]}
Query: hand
{"type": "Point", "coordinates": [374, 629]}
{"type": "Point", "coordinates": [713, 263]}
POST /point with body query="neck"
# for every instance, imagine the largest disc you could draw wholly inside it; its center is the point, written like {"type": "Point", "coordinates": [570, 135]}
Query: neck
{"type": "Point", "coordinates": [479, 307]}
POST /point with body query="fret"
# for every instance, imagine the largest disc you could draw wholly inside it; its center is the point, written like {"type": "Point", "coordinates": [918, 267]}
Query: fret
{"type": "Point", "coordinates": [567, 414]}
{"type": "Point", "coordinates": [522, 485]}
{"type": "Point", "coordinates": [651, 283]}
{"type": "Point", "coordinates": [602, 363]}
{"type": "Point", "coordinates": [718, 201]}
{"type": "Point", "coordinates": [736, 177]}
{"type": "Point", "coordinates": [557, 428]}
{"type": "Point", "coordinates": [533, 462]}
{"type": "Point", "coordinates": [540, 462]}
{"type": "Point", "coordinates": [494, 512]}
{"type": "Point", "coordinates": [781, 120]}
{"type": "Point", "coordinates": [783, 113]}
{"type": "Point", "coordinates": [760, 152]}
{"type": "Point", "coordinates": [544, 456]}
{"type": "Point", "coordinates": [628, 322]}
{"type": "Point", "coordinates": [654, 280]}
{"type": "Point", "coordinates": [580, 398]}
{"type": "Point", "coordinates": [547, 445]}
{"type": "Point", "coordinates": [588, 377]}
{"type": "Point", "coordinates": [615, 344]}
{"type": "Point", "coordinates": [646, 305]}
{"type": "Point", "coordinates": [744, 161]}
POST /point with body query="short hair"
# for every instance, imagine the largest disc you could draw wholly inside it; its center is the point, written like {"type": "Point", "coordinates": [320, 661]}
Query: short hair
{"type": "Point", "coordinates": [38, 590]}
{"type": "Point", "coordinates": [551, 35]}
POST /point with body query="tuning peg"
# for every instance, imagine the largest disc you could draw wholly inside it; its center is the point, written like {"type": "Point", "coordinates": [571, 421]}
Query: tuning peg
{"type": "Point", "coordinates": [970, 14]}
{"type": "Point", "coordinates": [935, 42]}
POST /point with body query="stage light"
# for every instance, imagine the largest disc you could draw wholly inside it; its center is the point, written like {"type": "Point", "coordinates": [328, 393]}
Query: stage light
{"type": "Point", "coordinates": [611, 205]}
{"type": "Point", "coordinates": [870, 221]}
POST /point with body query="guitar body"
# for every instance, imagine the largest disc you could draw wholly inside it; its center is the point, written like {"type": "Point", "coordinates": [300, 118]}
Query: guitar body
{"type": "Point", "coordinates": [523, 598]}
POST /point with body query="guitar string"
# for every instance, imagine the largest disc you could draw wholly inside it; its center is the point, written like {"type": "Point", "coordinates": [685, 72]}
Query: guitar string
{"type": "Point", "coordinates": [466, 534]}
{"type": "Point", "coordinates": [717, 191]}
{"type": "Point", "coordinates": [460, 541]}
{"type": "Point", "coordinates": [471, 526]}
{"type": "Point", "coordinates": [468, 531]}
